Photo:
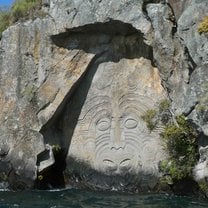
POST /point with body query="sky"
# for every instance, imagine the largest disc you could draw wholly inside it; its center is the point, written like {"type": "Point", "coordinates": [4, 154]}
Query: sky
{"type": "Point", "coordinates": [6, 2]}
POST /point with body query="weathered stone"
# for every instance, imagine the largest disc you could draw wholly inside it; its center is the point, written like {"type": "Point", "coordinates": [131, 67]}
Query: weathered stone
{"type": "Point", "coordinates": [195, 101]}
{"type": "Point", "coordinates": [69, 14]}
{"type": "Point", "coordinates": [201, 169]}
{"type": "Point", "coordinates": [110, 135]}
{"type": "Point", "coordinates": [179, 6]}
{"type": "Point", "coordinates": [106, 107]}
{"type": "Point", "coordinates": [188, 30]}
{"type": "Point", "coordinates": [82, 77]}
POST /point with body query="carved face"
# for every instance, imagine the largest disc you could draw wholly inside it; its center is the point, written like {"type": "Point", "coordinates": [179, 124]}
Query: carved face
{"type": "Point", "coordinates": [110, 134]}
{"type": "Point", "coordinates": [116, 140]}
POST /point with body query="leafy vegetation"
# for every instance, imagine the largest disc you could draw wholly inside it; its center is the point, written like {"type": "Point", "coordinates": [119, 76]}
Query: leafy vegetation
{"type": "Point", "coordinates": [153, 116]}
{"type": "Point", "coordinates": [148, 117]}
{"type": "Point", "coordinates": [203, 26]}
{"type": "Point", "coordinates": [181, 143]}
{"type": "Point", "coordinates": [21, 9]}
{"type": "Point", "coordinates": [180, 140]}
{"type": "Point", "coordinates": [4, 20]}
{"type": "Point", "coordinates": [3, 176]}
{"type": "Point", "coordinates": [204, 187]}
{"type": "Point", "coordinates": [164, 105]}
{"type": "Point", "coordinates": [40, 177]}
{"type": "Point", "coordinates": [56, 149]}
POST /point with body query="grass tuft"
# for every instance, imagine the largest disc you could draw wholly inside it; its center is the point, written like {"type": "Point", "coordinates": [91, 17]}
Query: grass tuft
{"type": "Point", "coordinates": [203, 26]}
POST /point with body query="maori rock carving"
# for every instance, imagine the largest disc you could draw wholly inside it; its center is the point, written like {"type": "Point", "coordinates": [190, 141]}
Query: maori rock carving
{"type": "Point", "coordinates": [110, 135]}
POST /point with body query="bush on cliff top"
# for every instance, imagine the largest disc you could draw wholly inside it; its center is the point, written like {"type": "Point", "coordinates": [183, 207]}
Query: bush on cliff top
{"type": "Point", "coordinates": [21, 9]}
{"type": "Point", "coordinates": [4, 21]}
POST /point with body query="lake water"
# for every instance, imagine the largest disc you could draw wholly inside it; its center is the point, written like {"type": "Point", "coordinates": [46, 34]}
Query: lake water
{"type": "Point", "coordinates": [74, 198]}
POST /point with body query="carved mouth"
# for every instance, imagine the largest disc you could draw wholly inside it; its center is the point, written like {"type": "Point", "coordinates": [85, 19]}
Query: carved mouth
{"type": "Point", "coordinates": [110, 163]}
{"type": "Point", "coordinates": [115, 164]}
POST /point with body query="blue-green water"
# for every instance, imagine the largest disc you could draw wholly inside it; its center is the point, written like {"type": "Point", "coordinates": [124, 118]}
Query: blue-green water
{"type": "Point", "coordinates": [87, 199]}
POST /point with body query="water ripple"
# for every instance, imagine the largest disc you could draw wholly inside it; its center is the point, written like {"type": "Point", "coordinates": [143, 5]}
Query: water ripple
{"type": "Point", "coordinates": [74, 198]}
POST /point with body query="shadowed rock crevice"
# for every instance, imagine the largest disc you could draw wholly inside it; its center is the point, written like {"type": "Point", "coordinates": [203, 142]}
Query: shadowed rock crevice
{"type": "Point", "coordinates": [191, 64]}
{"type": "Point", "coordinates": [118, 39]}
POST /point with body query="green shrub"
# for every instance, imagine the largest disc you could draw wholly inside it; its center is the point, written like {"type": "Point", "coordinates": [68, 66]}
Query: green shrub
{"type": "Point", "coordinates": [181, 143]}
{"type": "Point", "coordinates": [148, 117]}
{"type": "Point", "coordinates": [203, 26]}
{"type": "Point", "coordinates": [3, 176]}
{"type": "Point", "coordinates": [153, 117]}
{"type": "Point", "coordinates": [203, 186]}
{"type": "Point", "coordinates": [40, 177]}
{"type": "Point", "coordinates": [56, 149]}
{"type": "Point", "coordinates": [4, 21]}
{"type": "Point", "coordinates": [23, 8]}
{"type": "Point", "coordinates": [164, 105]}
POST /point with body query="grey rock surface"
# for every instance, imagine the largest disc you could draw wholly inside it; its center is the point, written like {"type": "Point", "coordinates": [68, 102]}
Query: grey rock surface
{"type": "Point", "coordinates": [80, 79]}
{"type": "Point", "coordinates": [195, 94]}
{"type": "Point", "coordinates": [179, 6]}
{"type": "Point", "coordinates": [188, 30]}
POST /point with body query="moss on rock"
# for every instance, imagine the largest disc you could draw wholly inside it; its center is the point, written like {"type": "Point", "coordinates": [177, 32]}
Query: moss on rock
{"type": "Point", "coordinates": [203, 26]}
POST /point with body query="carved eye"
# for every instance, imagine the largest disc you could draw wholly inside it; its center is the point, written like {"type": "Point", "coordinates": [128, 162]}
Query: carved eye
{"type": "Point", "coordinates": [108, 163]}
{"type": "Point", "coordinates": [125, 162]}
{"type": "Point", "coordinates": [131, 123]}
{"type": "Point", "coordinates": [103, 124]}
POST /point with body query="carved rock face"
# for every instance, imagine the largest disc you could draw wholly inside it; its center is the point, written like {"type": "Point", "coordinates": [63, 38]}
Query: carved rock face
{"type": "Point", "coordinates": [110, 135]}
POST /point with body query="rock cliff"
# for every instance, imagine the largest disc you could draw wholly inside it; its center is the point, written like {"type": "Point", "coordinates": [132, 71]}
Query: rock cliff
{"type": "Point", "coordinates": [76, 84]}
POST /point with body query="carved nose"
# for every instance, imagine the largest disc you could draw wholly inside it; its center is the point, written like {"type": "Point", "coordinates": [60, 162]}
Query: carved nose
{"type": "Point", "coordinates": [117, 140]}
{"type": "Point", "coordinates": [117, 145]}
{"type": "Point", "coordinates": [117, 136]}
